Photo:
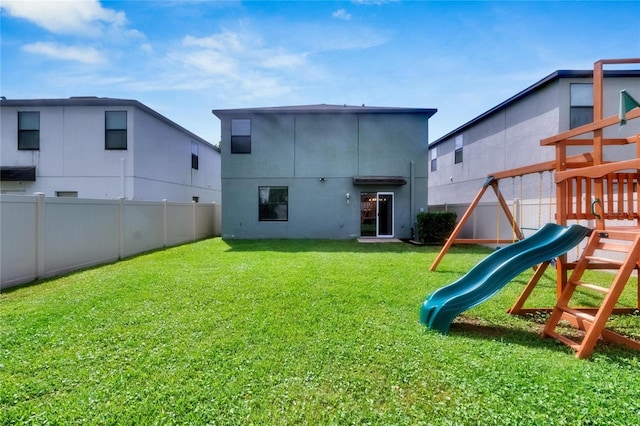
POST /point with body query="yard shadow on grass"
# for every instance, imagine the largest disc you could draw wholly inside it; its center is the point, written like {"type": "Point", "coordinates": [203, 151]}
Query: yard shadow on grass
{"type": "Point", "coordinates": [531, 338]}
{"type": "Point", "coordinates": [324, 246]}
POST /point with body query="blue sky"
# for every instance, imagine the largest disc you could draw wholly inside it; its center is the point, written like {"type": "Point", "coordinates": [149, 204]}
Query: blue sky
{"type": "Point", "coordinates": [185, 58]}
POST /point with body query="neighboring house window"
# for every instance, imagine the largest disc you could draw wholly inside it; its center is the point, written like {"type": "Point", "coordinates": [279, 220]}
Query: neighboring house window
{"type": "Point", "coordinates": [581, 105]}
{"type": "Point", "coordinates": [29, 130]}
{"type": "Point", "coordinates": [434, 159]}
{"type": "Point", "coordinates": [273, 203]}
{"type": "Point", "coordinates": [67, 194]}
{"type": "Point", "coordinates": [115, 130]}
{"type": "Point", "coordinates": [458, 152]}
{"type": "Point", "coordinates": [194, 155]}
{"type": "Point", "coordinates": [241, 136]}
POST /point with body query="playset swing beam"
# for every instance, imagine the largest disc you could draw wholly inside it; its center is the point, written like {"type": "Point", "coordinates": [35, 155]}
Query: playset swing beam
{"type": "Point", "coordinates": [492, 181]}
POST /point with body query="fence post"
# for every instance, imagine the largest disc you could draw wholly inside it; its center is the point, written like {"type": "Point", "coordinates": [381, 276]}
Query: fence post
{"type": "Point", "coordinates": [214, 219]}
{"type": "Point", "coordinates": [121, 227]}
{"type": "Point", "coordinates": [40, 234]}
{"type": "Point", "coordinates": [165, 219]}
{"type": "Point", "coordinates": [193, 218]}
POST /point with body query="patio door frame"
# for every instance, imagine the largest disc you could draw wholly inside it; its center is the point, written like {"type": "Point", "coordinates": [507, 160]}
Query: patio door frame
{"type": "Point", "coordinates": [390, 211]}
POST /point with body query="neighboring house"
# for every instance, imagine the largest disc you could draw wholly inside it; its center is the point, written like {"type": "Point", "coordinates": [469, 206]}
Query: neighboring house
{"type": "Point", "coordinates": [508, 136]}
{"type": "Point", "coordinates": [323, 171]}
{"type": "Point", "coordinates": [91, 147]}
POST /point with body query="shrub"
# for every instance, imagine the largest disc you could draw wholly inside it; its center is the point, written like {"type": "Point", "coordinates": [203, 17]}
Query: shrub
{"type": "Point", "coordinates": [435, 227]}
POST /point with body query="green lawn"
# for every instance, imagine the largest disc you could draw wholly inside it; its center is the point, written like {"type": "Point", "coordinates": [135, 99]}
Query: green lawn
{"type": "Point", "coordinates": [295, 332]}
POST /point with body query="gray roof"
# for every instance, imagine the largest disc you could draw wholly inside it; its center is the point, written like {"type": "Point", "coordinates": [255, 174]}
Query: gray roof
{"type": "Point", "coordinates": [534, 87]}
{"type": "Point", "coordinates": [324, 109]}
{"type": "Point", "coordinates": [84, 101]}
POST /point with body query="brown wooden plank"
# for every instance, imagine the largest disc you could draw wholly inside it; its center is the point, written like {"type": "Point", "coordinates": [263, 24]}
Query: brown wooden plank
{"type": "Point", "coordinates": [590, 127]}
{"type": "Point", "coordinates": [598, 171]}
{"type": "Point", "coordinates": [589, 141]}
{"type": "Point", "coordinates": [459, 227]}
{"type": "Point", "coordinates": [480, 241]}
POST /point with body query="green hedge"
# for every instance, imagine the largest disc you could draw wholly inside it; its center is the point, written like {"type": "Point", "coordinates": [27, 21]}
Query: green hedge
{"type": "Point", "coordinates": [435, 227]}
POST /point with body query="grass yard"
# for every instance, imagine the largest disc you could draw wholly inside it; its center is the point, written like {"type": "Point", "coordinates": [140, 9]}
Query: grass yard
{"type": "Point", "coordinates": [295, 332]}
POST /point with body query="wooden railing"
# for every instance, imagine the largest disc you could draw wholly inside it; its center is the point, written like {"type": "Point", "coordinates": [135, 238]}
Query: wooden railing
{"type": "Point", "coordinates": [618, 200]}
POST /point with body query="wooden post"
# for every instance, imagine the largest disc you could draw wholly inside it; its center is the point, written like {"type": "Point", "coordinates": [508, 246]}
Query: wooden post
{"type": "Point", "coordinates": [598, 155]}
{"type": "Point", "coordinates": [505, 207]}
{"type": "Point", "coordinates": [460, 225]}
{"type": "Point", "coordinates": [561, 213]}
{"type": "Point", "coordinates": [516, 309]}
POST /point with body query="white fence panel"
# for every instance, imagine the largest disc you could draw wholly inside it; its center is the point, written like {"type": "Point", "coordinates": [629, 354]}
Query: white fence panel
{"type": "Point", "coordinates": [203, 222]}
{"type": "Point", "coordinates": [79, 233]}
{"type": "Point", "coordinates": [178, 229]}
{"type": "Point", "coordinates": [143, 226]}
{"type": "Point", "coordinates": [42, 237]}
{"type": "Point", "coordinates": [17, 239]}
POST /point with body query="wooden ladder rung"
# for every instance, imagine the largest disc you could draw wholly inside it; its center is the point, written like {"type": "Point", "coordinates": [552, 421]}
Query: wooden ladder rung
{"type": "Point", "coordinates": [571, 343]}
{"type": "Point", "coordinates": [604, 260]}
{"type": "Point", "coordinates": [577, 313]}
{"type": "Point", "coordinates": [620, 248]}
{"type": "Point", "coordinates": [597, 288]}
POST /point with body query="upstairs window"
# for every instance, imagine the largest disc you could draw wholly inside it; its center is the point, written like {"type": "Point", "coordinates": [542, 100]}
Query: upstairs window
{"type": "Point", "coordinates": [115, 130]}
{"type": "Point", "coordinates": [29, 130]}
{"type": "Point", "coordinates": [273, 203]}
{"type": "Point", "coordinates": [458, 147]}
{"type": "Point", "coordinates": [434, 159]}
{"type": "Point", "coordinates": [194, 155]}
{"type": "Point", "coordinates": [241, 136]}
{"type": "Point", "coordinates": [581, 111]}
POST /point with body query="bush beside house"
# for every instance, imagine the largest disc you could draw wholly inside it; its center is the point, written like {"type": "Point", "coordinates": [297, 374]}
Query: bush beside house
{"type": "Point", "coordinates": [435, 227]}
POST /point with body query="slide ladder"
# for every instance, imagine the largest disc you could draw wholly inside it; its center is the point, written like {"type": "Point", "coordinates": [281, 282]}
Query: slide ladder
{"type": "Point", "coordinates": [593, 321]}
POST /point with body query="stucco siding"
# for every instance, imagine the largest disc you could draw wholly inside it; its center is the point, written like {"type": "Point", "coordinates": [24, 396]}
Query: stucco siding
{"type": "Point", "coordinates": [388, 143]}
{"type": "Point", "coordinates": [272, 148]}
{"type": "Point", "coordinates": [326, 145]}
{"type": "Point", "coordinates": [316, 209]}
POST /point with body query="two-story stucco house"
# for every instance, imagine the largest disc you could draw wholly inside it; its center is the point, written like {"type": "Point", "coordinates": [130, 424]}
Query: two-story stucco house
{"type": "Point", "coordinates": [508, 136]}
{"type": "Point", "coordinates": [323, 171]}
{"type": "Point", "coordinates": [91, 147]}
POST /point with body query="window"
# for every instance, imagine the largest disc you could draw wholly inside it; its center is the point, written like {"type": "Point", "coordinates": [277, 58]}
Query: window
{"type": "Point", "coordinates": [581, 111]}
{"type": "Point", "coordinates": [434, 159]}
{"type": "Point", "coordinates": [458, 152]}
{"type": "Point", "coordinates": [273, 203]}
{"type": "Point", "coordinates": [115, 130]}
{"type": "Point", "coordinates": [29, 130]}
{"type": "Point", "coordinates": [195, 199]}
{"type": "Point", "coordinates": [241, 136]}
{"type": "Point", "coordinates": [67, 194]}
{"type": "Point", "coordinates": [194, 155]}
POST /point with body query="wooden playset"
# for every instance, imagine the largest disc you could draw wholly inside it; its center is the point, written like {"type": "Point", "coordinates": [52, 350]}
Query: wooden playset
{"type": "Point", "coordinates": [587, 188]}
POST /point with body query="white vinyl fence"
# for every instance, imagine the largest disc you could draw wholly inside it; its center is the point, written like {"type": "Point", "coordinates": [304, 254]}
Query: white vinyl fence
{"type": "Point", "coordinates": [43, 237]}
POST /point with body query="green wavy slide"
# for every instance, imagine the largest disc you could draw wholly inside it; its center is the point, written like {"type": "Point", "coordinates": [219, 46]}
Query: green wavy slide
{"type": "Point", "coordinates": [495, 271]}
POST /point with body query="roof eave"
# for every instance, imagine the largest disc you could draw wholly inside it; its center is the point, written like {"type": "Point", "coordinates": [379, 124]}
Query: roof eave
{"type": "Point", "coordinates": [556, 75]}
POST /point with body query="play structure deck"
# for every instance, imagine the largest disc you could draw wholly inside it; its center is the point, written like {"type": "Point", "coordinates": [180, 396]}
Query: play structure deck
{"type": "Point", "coordinates": [588, 189]}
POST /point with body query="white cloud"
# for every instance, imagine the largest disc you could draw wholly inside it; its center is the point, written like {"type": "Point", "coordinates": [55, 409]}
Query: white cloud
{"type": "Point", "coordinates": [81, 17]}
{"type": "Point", "coordinates": [226, 41]}
{"type": "Point", "coordinates": [208, 61]}
{"type": "Point", "coordinates": [237, 63]}
{"type": "Point", "coordinates": [341, 14]}
{"type": "Point", "coordinates": [236, 54]}
{"type": "Point", "coordinates": [86, 55]}
{"type": "Point", "coordinates": [146, 47]}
